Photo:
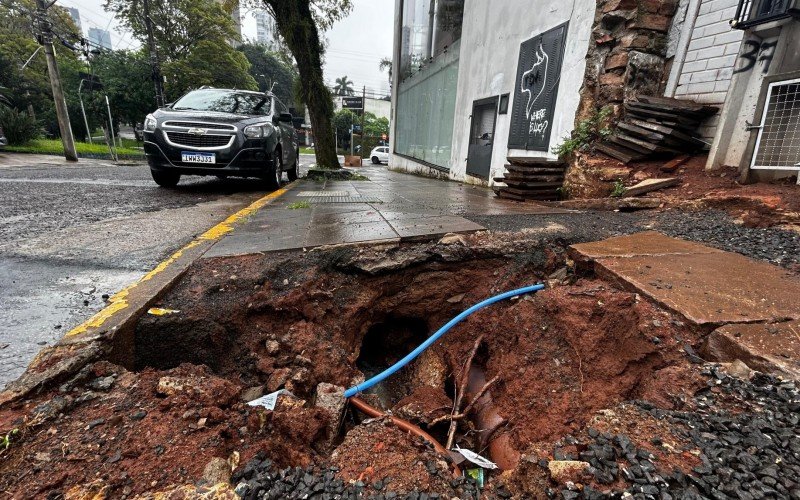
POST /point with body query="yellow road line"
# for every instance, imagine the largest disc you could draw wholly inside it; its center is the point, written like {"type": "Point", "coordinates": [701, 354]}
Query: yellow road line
{"type": "Point", "coordinates": [119, 301]}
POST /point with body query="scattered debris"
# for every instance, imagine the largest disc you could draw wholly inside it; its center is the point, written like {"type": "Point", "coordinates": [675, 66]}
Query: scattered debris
{"type": "Point", "coordinates": [270, 400]}
{"type": "Point", "coordinates": [648, 185]}
{"type": "Point", "coordinates": [675, 163]}
{"type": "Point", "coordinates": [475, 458]}
{"type": "Point", "coordinates": [159, 311]}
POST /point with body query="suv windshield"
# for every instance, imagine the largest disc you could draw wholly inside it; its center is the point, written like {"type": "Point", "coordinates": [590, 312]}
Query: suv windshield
{"type": "Point", "coordinates": [225, 101]}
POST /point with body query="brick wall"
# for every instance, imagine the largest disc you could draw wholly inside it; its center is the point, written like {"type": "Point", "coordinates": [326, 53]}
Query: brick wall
{"type": "Point", "coordinates": [713, 48]}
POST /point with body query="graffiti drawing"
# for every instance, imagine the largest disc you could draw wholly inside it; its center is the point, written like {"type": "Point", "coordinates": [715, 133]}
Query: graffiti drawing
{"type": "Point", "coordinates": [534, 80]}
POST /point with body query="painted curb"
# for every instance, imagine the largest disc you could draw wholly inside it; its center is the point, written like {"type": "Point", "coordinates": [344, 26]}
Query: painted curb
{"type": "Point", "coordinates": [99, 335]}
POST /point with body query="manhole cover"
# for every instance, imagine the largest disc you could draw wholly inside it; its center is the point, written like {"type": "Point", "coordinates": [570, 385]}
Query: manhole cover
{"type": "Point", "coordinates": [310, 194]}
{"type": "Point", "coordinates": [343, 199]}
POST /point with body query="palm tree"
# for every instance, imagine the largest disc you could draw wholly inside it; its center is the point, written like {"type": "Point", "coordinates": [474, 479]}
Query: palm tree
{"type": "Point", "coordinates": [343, 86]}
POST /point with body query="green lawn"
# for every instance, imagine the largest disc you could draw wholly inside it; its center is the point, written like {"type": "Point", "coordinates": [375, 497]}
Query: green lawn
{"type": "Point", "coordinates": [54, 147]}
{"type": "Point", "coordinates": [306, 150]}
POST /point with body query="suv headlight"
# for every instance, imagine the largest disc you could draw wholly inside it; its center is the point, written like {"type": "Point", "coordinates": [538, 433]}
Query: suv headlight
{"type": "Point", "coordinates": [150, 123]}
{"type": "Point", "coordinates": [258, 130]}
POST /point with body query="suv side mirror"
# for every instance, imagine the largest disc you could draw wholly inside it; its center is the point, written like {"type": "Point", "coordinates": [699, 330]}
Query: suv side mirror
{"type": "Point", "coordinates": [285, 117]}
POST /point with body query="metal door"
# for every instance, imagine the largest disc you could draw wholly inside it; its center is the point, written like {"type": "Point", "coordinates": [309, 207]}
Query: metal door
{"type": "Point", "coordinates": [481, 137]}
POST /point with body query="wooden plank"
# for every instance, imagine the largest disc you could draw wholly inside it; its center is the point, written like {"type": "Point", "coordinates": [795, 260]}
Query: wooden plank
{"type": "Point", "coordinates": [528, 193]}
{"type": "Point", "coordinates": [653, 148]}
{"type": "Point", "coordinates": [694, 115]}
{"type": "Point", "coordinates": [680, 103]}
{"type": "Point", "coordinates": [648, 185]}
{"type": "Point", "coordinates": [665, 130]}
{"type": "Point", "coordinates": [534, 185]}
{"type": "Point", "coordinates": [641, 132]}
{"type": "Point", "coordinates": [620, 141]}
{"type": "Point", "coordinates": [531, 177]}
{"type": "Point", "coordinates": [550, 170]}
{"type": "Point", "coordinates": [622, 154]}
{"type": "Point", "coordinates": [673, 165]}
{"type": "Point", "coordinates": [527, 161]}
{"type": "Point", "coordinates": [659, 116]}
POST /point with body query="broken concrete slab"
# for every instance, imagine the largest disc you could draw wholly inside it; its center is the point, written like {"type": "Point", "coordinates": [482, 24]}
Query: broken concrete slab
{"type": "Point", "coordinates": [709, 288]}
{"type": "Point", "coordinates": [645, 243]}
{"type": "Point", "coordinates": [648, 185]}
{"type": "Point", "coordinates": [705, 285]}
{"type": "Point", "coordinates": [769, 348]}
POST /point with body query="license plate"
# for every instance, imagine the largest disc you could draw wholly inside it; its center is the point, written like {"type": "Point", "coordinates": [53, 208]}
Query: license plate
{"type": "Point", "coordinates": [193, 157]}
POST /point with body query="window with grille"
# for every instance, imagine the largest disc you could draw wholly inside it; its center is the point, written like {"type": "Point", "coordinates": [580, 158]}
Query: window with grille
{"type": "Point", "coordinates": [778, 143]}
{"type": "Point", "coordinates": [751, 13]}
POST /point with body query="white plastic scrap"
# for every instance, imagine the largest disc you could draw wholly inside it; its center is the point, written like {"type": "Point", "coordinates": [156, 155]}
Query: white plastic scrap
{"type": "Point", "coordinates": [475, 458]}
{"type": "Point", "coordinates": [269, 400]}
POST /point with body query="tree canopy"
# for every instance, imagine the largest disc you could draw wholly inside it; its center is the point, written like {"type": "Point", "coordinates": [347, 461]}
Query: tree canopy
{"type": "Point", "coordinates": [268, 68]}
{"type": "Point", "coordinates": [192, 39]}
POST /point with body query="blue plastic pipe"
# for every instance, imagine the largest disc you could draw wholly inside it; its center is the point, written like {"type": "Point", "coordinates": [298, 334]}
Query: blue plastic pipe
{"type": "Point", "coordinates": [433, 338]}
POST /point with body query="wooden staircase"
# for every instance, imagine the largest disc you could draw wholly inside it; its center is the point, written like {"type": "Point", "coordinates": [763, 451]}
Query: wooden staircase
{"type": "Point", "coordinates": [531, 179]}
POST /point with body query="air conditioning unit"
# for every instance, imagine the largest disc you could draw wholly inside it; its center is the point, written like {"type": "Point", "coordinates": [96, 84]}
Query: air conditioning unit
{"type": "Point", "coordinates": [751, 13]}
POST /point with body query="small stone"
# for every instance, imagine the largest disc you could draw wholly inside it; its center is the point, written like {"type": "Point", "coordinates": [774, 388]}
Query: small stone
{"type": "Point", "coordinates": [88, 290]}
{"type": "Point", "coordinates": [94, 423]}
{"type": "Point", "coordinates": [217, 470]}
{"type": "Point", "coordinates": [252, 393]}
{"type": "Point", "coordinates": [102, 383]}
{"type": "Point", "coordinates": [138, 415]}
{"type": "Point", "coordinates": [564, 471]}
{"type": "Point", "coordinates": [273, 347]}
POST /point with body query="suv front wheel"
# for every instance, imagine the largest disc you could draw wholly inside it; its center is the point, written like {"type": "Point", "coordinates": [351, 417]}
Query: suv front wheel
{"type": "Point", "coordinates": [294, 172]}
{"type": "Point", "coordinates": [165, 179]}
{"type": "Point", "coordinates": [273, 180]}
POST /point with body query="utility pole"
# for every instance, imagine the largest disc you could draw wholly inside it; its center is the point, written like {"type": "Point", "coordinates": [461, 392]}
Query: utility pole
{"type": "Point", "coordinates": [158, 80]}
{"type": "Point", "coordinates": [363, 112]}
{"type": "Point", "coordinates": [62, 115]}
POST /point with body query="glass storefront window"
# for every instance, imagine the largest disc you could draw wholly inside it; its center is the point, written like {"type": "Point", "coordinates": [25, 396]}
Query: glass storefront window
{"type": "Point", "coordinates": [425, 112]}
{"type": "Point", "coordinates": [429, 28]}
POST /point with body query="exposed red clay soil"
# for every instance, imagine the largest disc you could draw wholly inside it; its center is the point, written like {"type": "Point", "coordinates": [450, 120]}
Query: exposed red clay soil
{"type": "Point", "coordinates": [378, 450]}
{"type": "Point", "coordinates": [760, 204]}
{"type": "Point", "coordinates": [560, 356]}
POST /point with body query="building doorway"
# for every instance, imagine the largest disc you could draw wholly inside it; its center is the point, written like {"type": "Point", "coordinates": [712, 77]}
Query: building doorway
{"type": "Point", "coordinates": [481, 137]}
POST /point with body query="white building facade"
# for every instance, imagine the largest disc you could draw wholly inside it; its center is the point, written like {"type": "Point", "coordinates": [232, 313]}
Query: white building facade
{"type": "Point", "coordinates": [266, 31]}
{"type": "Point", "coordinates": [479, 82]}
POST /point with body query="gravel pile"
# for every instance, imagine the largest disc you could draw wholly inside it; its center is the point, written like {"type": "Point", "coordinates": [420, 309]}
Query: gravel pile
{"type": "Point", "coordinates": [257, 480]}
{"type": "Point", "coordinates": [717, 229]}
{"type": "Point", "coordinates": [750, 455]}
{"type": "Point", "coordinates": [709, 227]}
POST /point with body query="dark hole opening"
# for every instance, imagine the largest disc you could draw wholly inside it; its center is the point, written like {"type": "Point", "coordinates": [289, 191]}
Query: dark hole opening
{"type": "Point", "coordinates": [386, 343]}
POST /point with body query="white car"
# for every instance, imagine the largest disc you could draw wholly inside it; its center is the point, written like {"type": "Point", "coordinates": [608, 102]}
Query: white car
{"type": "Point", "coordinates": [380, 154]}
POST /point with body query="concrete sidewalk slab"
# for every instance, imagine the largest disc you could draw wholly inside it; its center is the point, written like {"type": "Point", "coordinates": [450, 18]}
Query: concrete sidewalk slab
{"type": "Point", "coordinates": [770, 348]}
{"type": "Point", "coordinates": [709, 288]}
{"type": "Point", "coordinates": [389, 206]}
{"type": "Point", "coordinates": [646, 243]}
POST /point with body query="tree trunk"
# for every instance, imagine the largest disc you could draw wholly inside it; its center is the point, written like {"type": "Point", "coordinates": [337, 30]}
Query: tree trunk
{"type": "Point", "coordinates": [296, 25]}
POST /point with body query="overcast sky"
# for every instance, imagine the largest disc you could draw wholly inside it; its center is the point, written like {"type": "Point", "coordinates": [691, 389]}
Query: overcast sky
{"type": "Point", "coordinates": [356, 44]}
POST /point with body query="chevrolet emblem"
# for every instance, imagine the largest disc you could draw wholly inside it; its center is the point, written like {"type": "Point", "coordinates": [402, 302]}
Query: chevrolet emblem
{"type": "Point", "coordinates": [197, 131]}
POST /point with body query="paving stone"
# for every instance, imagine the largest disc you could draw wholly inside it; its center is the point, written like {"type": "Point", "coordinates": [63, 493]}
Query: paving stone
{"type": "Point", "coordinates": [644, 243]}
{"type": "Point", "coordinates": [709, 288]}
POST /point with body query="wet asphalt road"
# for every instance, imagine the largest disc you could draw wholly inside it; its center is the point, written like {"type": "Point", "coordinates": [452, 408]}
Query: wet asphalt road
{"type": "Point", "coordinates": [71, 233]}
